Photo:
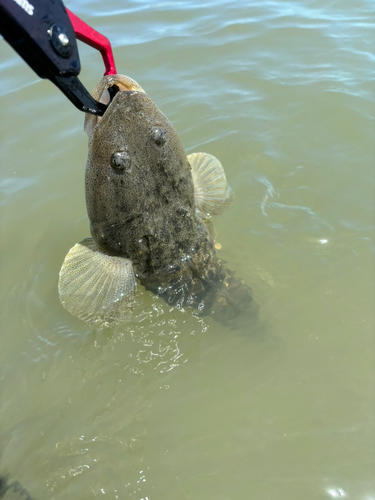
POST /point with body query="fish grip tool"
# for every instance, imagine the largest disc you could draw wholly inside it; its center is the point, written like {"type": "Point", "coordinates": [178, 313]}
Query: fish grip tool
{"type": "Point", "coordinates": [44, 34]}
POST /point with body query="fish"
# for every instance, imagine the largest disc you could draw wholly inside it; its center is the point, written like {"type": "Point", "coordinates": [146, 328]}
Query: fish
{"type": "Point", "coordinates": [150, 207]}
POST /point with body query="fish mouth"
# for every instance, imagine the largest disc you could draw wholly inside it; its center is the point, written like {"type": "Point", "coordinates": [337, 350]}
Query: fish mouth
{"type": "Point", "coordinates": [115, 84]}
{"type": "Point", "coordinates": [105, 92]}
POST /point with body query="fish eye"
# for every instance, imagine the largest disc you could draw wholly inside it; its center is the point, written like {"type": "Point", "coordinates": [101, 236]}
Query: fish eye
{"type": "Point", "coordinates": [120, 161]}
{"type": "Point", "coordinates": [158, 135]}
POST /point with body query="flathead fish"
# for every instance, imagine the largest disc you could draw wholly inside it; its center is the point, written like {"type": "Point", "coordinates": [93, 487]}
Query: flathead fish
{"type": "Point", "coordinates": [149, 206]}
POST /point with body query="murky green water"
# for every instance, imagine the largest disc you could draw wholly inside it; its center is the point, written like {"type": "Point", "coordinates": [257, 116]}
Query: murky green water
{"type": "Point", "coordinates": [170, 406]}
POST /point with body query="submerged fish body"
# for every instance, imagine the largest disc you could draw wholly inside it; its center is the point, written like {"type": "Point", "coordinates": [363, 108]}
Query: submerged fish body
{"type": "Point", "coordinates": [148, 205]}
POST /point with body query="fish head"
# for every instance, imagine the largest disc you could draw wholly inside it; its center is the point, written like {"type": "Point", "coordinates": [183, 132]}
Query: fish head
{"type": "Point", "coordinates": [137, 175]}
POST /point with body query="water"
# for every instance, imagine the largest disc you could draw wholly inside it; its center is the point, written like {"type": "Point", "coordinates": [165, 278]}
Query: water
{"type": "Point", "coordinates": [170, 405]}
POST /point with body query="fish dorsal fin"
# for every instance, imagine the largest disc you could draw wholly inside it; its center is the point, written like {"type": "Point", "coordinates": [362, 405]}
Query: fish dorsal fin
{"type": "Point", "coordinates": [212, 194]}
{"type": "Point", "coordinates": [95, 287]}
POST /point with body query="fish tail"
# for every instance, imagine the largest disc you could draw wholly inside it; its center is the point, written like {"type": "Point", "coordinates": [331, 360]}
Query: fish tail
{"type": "Point", "coordinates": [221, 294]}
{"type": "Point", "coordinates": [233, 303]}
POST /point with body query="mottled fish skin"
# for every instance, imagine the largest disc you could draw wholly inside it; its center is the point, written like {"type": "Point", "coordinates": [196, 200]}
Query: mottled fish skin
{"type": "Point", "coordinates": [145, 210]}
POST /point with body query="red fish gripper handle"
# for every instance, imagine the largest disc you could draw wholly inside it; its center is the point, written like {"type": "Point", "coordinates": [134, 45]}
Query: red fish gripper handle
{"type": "Point", "coordinates": [91, 37]}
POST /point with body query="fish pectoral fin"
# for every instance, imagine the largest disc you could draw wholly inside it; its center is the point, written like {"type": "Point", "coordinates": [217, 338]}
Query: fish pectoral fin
{"type": "Point", "coordinates": [212, 193]}
{"type": "Point", "coordinates": [95, 287]}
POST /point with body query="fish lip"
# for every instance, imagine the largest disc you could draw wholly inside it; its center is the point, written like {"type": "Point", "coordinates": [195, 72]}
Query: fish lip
{"type": "Point", "coordinates": [94, 121]}
{"type": "Point", "coordinates": [121, 83]}
{"type": "Point", "coordinates": [119, 100]}
{"type": "Point", "coordinates": [123, 95]}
